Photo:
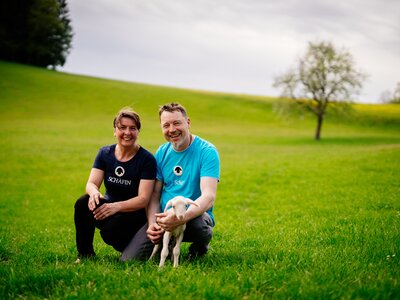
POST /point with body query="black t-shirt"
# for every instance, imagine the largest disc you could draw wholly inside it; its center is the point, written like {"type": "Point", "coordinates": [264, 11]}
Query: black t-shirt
{"type": "Point", "coordinates": [122, 179]}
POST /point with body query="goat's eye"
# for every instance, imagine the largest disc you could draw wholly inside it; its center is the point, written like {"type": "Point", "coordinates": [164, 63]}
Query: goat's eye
{"type": "Point", "coordinates": [173, 206]}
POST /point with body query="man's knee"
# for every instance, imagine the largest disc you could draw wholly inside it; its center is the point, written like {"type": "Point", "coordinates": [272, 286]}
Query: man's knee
{"type": "Point", "coordinates": [201, 223]}
{"type": "Point", "coordinates": [139, 248]}
{"type": "Point", "coordinates": [199, 229]}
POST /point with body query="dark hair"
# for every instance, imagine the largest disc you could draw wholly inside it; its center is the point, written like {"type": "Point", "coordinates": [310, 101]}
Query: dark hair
{"type": "Point", "coordinates": [171, 107]}
{"type": "Point", "coordinates": [127, 112]}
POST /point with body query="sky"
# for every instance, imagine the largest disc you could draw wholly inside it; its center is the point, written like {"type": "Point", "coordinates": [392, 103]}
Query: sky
{"type": "Point", "coordinates": [235, 46]}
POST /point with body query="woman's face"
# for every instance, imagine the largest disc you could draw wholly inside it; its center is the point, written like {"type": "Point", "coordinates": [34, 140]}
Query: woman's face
{"type": "Point", "coordinates": [126, 132]}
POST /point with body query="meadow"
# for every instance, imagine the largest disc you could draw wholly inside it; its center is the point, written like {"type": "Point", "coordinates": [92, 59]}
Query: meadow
{"type": "Point", "coordinates": [296, 218]}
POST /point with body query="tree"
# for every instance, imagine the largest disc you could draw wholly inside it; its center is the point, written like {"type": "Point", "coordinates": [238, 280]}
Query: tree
{"type": "Point", "coordinates": [388, 97]}
{"type": "Point", "coordinates": [36, 32]}
{"type": "Point", "coordinates": [323, 76]}
{"type": "Point", "coordinates": [385, 97]}
{"type": "Point", "coordinates": [396, 94]}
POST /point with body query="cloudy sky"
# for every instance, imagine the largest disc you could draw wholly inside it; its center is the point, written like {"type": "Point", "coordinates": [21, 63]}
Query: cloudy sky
{"type": "Point", "coordinates": [236, 46]}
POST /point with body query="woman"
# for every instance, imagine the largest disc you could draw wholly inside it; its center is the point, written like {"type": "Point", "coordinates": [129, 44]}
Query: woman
{"type": "Point", "coordinates": [128, 172]}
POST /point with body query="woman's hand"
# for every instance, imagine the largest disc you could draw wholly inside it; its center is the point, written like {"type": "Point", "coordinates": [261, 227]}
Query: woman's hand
{"type": "Point", "coordinates": [106, 210]}
{"type": "Point", "coordinates": [94, 200]}
{"type": "Point", "coordinates": [93, 188]}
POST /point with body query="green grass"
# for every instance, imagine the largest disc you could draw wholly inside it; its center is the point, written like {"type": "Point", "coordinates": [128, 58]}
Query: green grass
{"type": "Point", "coordinates": [296, 219]}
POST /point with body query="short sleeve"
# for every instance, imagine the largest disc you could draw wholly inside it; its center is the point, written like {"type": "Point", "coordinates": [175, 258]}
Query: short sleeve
{"type": "Point", "coordinates": [157, 156]}
{"type": "Point", "coordinates": [149, 167]}
{"type": "Point", "coordinates": [99, 162]}
{"type": "Point", "coordinates": [210, 165]}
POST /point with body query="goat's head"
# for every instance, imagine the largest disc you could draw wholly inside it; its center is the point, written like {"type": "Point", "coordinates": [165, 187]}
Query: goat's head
{"type": "Point", "coordinates": [178, 205]}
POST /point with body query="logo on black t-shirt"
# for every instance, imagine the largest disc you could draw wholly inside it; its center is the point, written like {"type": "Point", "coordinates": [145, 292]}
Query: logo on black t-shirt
{"type": "Point", "coordinates": [119, 171]}
{"type": "Point", "coordinates": [178, 170]}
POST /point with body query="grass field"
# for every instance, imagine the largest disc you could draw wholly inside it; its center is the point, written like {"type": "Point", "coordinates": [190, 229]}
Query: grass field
{"type": "Point", "coordinates": [296, 218]}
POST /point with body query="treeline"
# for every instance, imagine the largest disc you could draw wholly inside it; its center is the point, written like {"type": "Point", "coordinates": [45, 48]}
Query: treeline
{"type": "Point", "coordinates": [35, 32]}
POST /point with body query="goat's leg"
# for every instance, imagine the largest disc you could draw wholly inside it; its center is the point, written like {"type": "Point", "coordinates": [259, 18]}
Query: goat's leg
{"type": "Point", "coordinates": [177, 249]}
{"type": "Point", "coordinates": [164, 251]}
{"type": "Point", "coordinates": [155, 250]}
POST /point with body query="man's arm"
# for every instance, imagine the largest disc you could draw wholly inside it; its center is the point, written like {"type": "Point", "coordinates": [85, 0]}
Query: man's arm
{"type": "Point", "coordinates": [154, 204]}
{"type": "Point", "coordinates": [154, 231]}
{"type": "Point", "coordinates": [208, 187]}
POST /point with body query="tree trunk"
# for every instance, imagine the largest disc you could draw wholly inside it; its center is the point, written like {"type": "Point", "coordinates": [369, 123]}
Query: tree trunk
{"type": "Point", "coordinates": [320, 118]}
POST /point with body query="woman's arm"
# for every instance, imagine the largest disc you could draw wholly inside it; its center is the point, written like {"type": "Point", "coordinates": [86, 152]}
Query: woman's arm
{"type": "Point", "coordinates": [141, 200]}
{"type": "Point", "coordinates": [95, 180]}
{"type": "Point", "coordinates": [133, 204]}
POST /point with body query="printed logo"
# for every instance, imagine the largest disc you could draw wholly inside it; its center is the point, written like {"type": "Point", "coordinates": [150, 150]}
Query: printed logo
{"type": "Point", "coordinates": [119, 171]}
{"type": "Point", "coordinates": [178, 170]}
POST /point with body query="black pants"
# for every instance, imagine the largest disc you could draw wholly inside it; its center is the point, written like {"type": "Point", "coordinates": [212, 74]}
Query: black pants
{"type": "Point", "coordinates": [117, 230]}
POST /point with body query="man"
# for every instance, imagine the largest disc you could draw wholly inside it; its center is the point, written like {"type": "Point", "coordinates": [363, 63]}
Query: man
{"type": "Point", "coordinates": [186, 166]}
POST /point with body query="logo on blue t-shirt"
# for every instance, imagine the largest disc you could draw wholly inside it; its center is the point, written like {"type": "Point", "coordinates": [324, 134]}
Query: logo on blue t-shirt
{"type": "Point", "coordinates": [119, 171]}
{"type": "Point", "coordinates": [178, 170]}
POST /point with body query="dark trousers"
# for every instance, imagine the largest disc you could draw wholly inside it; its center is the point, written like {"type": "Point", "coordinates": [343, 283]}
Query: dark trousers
{"type": "Point", "coordinates": [117, 230]}
{"type": "Point", "coordinates": [199, 232]}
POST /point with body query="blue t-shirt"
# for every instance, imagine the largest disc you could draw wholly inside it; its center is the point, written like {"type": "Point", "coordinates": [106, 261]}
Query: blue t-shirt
{"type": "Point", "coordinates": [121, 179]}
{"type": "Point", "coordinates": [181, 171]}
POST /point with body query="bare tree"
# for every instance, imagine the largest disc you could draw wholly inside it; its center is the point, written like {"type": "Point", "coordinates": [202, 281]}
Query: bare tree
{"type": "Point", "coordinates": [389, 97]}
{"type": "Point", "coordinates": [385, 97]}
{"type": "Point", "coordinates": [324, 76]}
{"type": "Point", "coordinates": [396, 94]}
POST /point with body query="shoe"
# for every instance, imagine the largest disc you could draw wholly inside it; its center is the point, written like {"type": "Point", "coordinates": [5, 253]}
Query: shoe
{"type": "Point", "coordinates": [83, 256]}
{"type": "Point", "coordinates": [197, 251]}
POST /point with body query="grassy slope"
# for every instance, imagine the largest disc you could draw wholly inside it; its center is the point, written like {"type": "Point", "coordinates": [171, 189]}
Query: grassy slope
{"type": "Point", "coordinates": [295, 218]}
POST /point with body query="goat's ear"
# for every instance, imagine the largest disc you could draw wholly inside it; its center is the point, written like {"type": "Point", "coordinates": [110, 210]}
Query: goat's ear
{"type": "Point", "coordinates": [169, 203]}
{"type": "Point", "coordinates": [189, 201]}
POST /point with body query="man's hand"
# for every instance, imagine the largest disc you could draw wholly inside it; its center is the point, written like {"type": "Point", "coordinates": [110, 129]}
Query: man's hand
{"type": "Point", "coordinates": [168, 222]}
{"type": "Point", "coordinates": [106, 210]}
{"type": "Point", "coordinates": [155, 233]}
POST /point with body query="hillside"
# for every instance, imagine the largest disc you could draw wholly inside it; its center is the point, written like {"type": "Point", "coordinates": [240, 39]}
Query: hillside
{"type": "Point", "coordinates": [296, 218]}
{"type": "Point", "coordinates": [64, 96]}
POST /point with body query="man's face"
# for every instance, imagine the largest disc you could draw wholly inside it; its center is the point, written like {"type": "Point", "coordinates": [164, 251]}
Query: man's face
{"type": "Point", "coordinates": [175, 128]}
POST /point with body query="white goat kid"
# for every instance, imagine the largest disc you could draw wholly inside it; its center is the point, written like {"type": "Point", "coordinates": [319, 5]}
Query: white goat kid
{"type": "Point", "coordinates": [178, 205]}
